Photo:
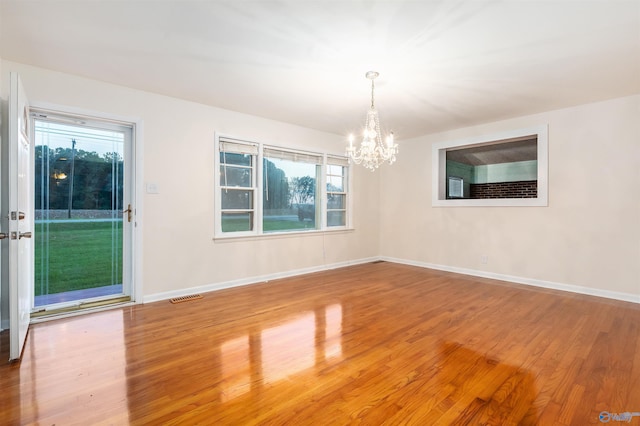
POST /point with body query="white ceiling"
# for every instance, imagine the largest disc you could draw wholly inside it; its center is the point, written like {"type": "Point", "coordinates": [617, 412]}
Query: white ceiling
{"type": "Point", "coordinates": [443, 64]}
{"type": "Point", "coordinates": [496, 153]}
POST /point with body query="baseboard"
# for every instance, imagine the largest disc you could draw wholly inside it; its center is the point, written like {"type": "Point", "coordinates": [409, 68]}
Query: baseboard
{"type": "Point", "coordinates": [626, 297]}
{"type": "Point", "coordinates": [252, 280]}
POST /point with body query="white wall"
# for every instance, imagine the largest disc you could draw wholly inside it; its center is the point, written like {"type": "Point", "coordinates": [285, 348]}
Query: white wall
{"type": "Point", "coordinates": [587, 239]}
{"type": "Point", "coordinates": [178, 223]}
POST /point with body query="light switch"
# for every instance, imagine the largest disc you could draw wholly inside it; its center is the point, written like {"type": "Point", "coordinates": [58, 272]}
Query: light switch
{"type": "Point", "coordinates": [152, 188]}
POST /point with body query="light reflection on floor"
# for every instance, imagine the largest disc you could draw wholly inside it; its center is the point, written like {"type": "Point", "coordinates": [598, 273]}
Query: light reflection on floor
{"type": "Point", "coordinates": [333, 332]}
{"type": "Point", "coordinates": [282, 351]}
{"type": "Point", "coordinates": [236, 369]}
{"type": "Point", "coordinates": [107, 332]}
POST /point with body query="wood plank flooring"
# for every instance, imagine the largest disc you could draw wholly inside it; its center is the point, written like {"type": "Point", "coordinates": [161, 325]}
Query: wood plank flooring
{"type": "Point", "coordinates": [371, 344]}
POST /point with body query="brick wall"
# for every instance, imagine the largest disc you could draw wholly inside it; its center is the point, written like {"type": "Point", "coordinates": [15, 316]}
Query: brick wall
{"type": "Point", "coordinates": [521, 189]}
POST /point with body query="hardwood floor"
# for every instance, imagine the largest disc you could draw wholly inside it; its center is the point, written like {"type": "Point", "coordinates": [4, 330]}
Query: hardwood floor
{"type": "Point", "coordinates": [370, 344]}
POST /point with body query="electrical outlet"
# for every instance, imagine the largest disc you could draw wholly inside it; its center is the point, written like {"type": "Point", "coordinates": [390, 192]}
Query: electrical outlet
{"type": "Point", "coordinates": [484, 259]}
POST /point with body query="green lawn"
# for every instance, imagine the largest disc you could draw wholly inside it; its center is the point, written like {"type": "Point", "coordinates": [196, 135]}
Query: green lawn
{"type": "Point", "coordinates": [79, 255]}
{"type": "Point", "coordinates": [236, 225]}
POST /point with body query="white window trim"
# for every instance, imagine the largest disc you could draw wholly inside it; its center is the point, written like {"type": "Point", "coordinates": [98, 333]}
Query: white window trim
{"type": "Point", "coordinates": [439, 178]}
{"type": "Point", "coordinates": [218, 195]}
{"type": "Point", "coordinates": [257, 231]}
{"type": "Point", "coordinates": [346, 191]}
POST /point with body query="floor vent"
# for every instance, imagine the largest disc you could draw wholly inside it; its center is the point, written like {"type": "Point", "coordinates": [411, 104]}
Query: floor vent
{"type": "Point", "coordinates": [186, 298]}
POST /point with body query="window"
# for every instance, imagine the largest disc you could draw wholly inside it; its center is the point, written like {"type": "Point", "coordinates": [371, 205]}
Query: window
{"type": "Point", "coordinates": [455, 189]}
{"type": "Point", "coordinates": [237, 186]}
{"type": "Point", "coordinates": [291, 190]}
{"type": "Point", "coordinates": [507, 169]}
{"type": "Point", "coordinates": [337, 169]}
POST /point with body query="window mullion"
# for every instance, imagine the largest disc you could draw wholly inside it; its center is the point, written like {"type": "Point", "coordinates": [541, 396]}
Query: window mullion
{"type": "Point", "coordinates": [259, 198]}
{"type": "Point", "coordinates": [321, 193]}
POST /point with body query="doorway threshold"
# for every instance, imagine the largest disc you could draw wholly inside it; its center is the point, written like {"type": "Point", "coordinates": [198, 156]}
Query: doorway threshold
{"type": "Point", "coordinates": [76, 301]}
{"type": "Point", "coordinates": [45, 314]}
{"type": "Point", "coordinates": [45, 300]}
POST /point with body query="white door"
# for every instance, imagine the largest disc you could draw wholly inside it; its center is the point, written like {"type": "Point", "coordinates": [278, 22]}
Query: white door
{"type": "Point", "coordinates": [20, 218]}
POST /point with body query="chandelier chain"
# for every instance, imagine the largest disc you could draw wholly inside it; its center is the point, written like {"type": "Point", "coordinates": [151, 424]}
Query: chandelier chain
{"type": "Point", "coordinates": [372, 94]}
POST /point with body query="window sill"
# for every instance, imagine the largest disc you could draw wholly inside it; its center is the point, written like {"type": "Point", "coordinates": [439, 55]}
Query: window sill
{"type": "Point", "coordinates": [491, 202]}
{"type": "Point", "coordinates": [277, 235]}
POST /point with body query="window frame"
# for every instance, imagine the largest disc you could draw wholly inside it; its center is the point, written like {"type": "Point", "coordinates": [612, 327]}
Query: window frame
{"type": "Point", "coordinates": [253, 187]}
{"type": "Point", "coordinates": [258, 183]}
{"type": "Point", "coordinates": [439, 166]}
{"type": "Point", "coordinates": [285, 154]}
{"type": "Point", "coordinates": [344, 163]}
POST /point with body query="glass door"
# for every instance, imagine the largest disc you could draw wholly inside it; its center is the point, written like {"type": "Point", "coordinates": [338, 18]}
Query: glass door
{"type": "Point", "coordinates": [82, 211]}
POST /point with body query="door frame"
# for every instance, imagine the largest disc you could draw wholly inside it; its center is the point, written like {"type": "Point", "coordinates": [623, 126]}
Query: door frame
{"type": "Point", "coordinates": [136, 258]}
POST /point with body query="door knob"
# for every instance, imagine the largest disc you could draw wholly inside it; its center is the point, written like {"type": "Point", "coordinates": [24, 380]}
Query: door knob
{"type": "Point", "coordinates": [3, 235]}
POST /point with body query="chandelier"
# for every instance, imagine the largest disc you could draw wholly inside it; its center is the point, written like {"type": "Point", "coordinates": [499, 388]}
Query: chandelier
{"type": "Point", "coordinates": [372, 152]}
